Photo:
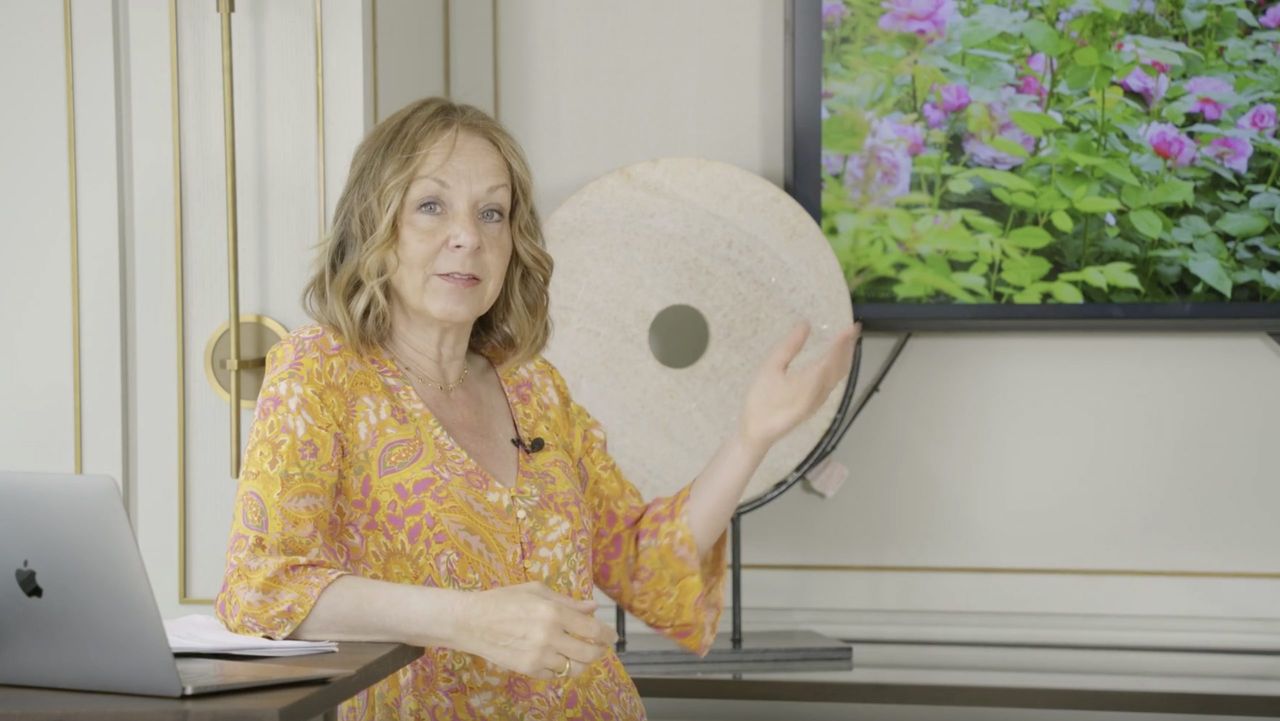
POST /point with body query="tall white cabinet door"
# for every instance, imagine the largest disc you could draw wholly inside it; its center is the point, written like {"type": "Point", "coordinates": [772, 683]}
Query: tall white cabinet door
{"type": "Point", "coordinates": [299, 76]}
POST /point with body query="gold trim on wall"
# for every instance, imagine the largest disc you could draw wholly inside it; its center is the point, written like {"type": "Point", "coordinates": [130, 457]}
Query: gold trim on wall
{"type": "Point", "coordinates": [77, 398]}
{"type": "Point", "coordinates": [373, 44]}
{"type": "Point", "coordinates": [319, 13]}
{"type": "Point", "coordinates": [180, 303]}
{"type": "Point", "coordinates": [225, 8]}
{"type": "Point", "coordinates": [496, 56]}
{"type": "Point", "coordinates": [1021, 571]}
{"type": "Point", "coordinates": [448, 50]}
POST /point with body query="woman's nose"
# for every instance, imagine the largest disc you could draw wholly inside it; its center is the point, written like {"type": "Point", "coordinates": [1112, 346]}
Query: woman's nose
{"type": "Point", "coordinates": [464, 234]}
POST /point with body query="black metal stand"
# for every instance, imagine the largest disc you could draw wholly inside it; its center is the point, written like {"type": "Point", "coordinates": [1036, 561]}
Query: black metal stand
{"type": "Point", "coordinates": [621, 621]}
{"type": "Point", "coordinates": [652, 655]}
{"type": "Point", "coordinates": [766, 650]}
{"type": "Point", "coordinates": [735, 578]}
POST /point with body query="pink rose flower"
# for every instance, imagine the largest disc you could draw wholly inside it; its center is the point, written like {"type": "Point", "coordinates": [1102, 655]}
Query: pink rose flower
{"type": "Point", "coordinates": [1233, 153]}
{"type": "Point", "coordinates": [945, 100]}
{"type": "Point", "coordinates": [926, 18]}
{"type": "Point", "coordinates": [1208, 96]}
{"type": "Point", "coordinates": [1040, 64]}
{"type": "Point", "coordinates": [832, 163]}
{"type": "Point", "coordinates": [933, 115]}
{"type": "Point", "coordinates": [913, 136]}
{"type": "Point", "coordinates": [887, 131]}
{"type": "Point", "coordinates": [982, 154]}
{"type": "Point", "coordinates": [833, 11]}
{"type": "Point", "coordinates": [1030, 85]}
{"type": "Point", "coordinates": [1033, 84]}
{"type": "Point", "coordinates": [878, 174]}
{"type": "Point", "coordinates": [976, 147]}
{"type": "Point", "coordinates": [954, 97]}
{"type": "Point", "coordinates": [1127, 45]}
{"type": "Point", "coordinates": [1152, 89]}
{"type": "Point", "coordinates": [1271, 18]}
{"type": "Point", "coordinates": [1169, 143]}
{"type": "Point", "coordinates": [1261, 118]}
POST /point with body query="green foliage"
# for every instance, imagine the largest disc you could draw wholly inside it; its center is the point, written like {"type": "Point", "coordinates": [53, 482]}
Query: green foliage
{"type": "Point", "coordinates": [1049, 186]}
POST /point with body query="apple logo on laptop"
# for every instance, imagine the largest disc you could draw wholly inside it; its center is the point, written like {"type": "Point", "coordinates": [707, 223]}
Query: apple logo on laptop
{"type": "Point", "coordinates": [27, 581]}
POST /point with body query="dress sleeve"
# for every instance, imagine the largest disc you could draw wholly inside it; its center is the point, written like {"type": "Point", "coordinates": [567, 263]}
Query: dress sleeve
{"type": "Point", "coordinates": [281, 553]}
{"type": "Point", "coordinates": [643, 554]}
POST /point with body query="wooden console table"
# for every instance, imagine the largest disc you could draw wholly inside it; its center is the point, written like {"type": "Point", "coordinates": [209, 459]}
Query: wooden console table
{"type": "Point", "coordinates": [1214, 683]}
{"type": "Point", "coordinates": [368, 663]}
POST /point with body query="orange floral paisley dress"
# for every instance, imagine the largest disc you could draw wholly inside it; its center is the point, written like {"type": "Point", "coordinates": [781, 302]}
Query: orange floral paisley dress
{"type": "Point", "coordinates": [347, 471]}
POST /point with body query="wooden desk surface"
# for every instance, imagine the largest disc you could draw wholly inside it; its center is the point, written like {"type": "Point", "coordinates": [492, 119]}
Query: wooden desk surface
{"type": "Point", "coordinates": [367, 662]}
{"type": "Point", "coordinates": [1027, 677]}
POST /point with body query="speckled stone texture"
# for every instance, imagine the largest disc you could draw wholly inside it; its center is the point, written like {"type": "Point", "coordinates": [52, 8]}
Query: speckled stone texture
{"type": "Point", "coordinates": [705, 234]}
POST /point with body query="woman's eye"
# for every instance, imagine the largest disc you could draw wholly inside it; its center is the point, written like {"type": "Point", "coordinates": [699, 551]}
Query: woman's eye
{"type": "Point", "coordinates": [430, 207]}
{"type": "Point", "coordinates": [491, 215]}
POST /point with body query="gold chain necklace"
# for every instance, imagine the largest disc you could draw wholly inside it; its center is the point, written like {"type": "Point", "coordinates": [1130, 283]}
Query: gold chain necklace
{"type": "Point", "coordinates": [442, 387]}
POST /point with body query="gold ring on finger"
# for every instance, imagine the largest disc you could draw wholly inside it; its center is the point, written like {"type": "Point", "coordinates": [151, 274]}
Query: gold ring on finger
{"type": "Point", "coordinates": [564, 671]}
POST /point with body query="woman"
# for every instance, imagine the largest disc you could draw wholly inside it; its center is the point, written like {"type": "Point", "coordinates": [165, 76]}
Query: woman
{"type": "Point", "coordinates": [417, 473]}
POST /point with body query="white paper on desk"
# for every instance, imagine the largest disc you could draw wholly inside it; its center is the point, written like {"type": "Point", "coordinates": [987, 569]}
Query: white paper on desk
{"type": "Point", "coordinates": [198, 633]}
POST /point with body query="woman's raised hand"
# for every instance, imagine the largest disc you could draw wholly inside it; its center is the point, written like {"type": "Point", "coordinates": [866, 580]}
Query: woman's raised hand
{"type": "Point", "coordinates": [533, 630]}
{"type": "Point", "coordinates": [781, 397]}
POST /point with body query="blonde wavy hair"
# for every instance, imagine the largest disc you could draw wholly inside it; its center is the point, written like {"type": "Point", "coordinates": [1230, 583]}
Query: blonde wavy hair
{"type": "Point", "coordinates": [350, 289]}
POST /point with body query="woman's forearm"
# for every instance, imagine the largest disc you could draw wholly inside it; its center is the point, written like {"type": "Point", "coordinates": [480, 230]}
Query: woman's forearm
{"type": "Point", "coordinates": [353, 608]}
{"type": "Point", "coordinates": [527, 628]}
{"type": "Point", "coordinates": [779, 398]}
{"type": "Point", "coordinates": [717, 490]}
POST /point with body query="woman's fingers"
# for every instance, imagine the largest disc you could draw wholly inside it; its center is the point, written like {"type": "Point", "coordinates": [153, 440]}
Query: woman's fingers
{"type": "Point", "coordinates": [588, 628]}
{"type": "Point", "coordinates": [822, 376]}
{"type": "Point", "coordinates": [789, 347]}
{"type": "Point", "coordinates": [533, 630]}
{"type": "Point", "coordinates": [577, 617]}
{"type": "Point", "coordinates": [839, 356]}
{"type": "Point", "coordinates": [578, 650]}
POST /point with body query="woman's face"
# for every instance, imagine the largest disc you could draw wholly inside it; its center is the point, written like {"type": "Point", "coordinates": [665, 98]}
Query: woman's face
{"type": "Point", "coordinates": [454, 239]}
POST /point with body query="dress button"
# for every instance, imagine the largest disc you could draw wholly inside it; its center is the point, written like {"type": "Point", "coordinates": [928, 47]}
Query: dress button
{"type": "Point", "coordinates": [521, 514]}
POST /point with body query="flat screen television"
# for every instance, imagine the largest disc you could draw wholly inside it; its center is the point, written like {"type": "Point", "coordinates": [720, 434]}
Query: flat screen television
{"type": "Point", "coordinates": [983, 164]}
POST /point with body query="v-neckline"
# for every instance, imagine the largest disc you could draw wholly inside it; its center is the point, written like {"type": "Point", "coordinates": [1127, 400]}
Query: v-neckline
{"type": "Point", "coordinates": [408, 396]}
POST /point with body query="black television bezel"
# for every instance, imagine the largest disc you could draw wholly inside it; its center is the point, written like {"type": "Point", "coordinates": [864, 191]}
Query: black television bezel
{"type": "Point", "coordinates": [803, 148]}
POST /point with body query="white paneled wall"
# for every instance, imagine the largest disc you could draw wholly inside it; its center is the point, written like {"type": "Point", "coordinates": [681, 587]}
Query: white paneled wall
{"type": "Point", "coordinates": [98, 168]}
{"type": "Point", "coordinates": [1053, 474]}
{"type": "Point", "coordinates": [1032, 472]}
{"type": "Point", "coordinates": [412, 51]}
{"type": "Point", "coordinates": [1139, 454]}
{"type": "Point", "coordinates": [35, 277]}
{"type": "Point", "coordinates": [588, 87]}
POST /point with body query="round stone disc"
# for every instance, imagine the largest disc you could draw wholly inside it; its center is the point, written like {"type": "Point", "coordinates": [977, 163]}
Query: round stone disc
{"type": "Point", "coordinates": [645, 252]}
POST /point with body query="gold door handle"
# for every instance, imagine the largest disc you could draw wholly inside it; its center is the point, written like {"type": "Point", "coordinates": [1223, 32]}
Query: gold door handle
{"type": "Point", "coordinates": [257, 334]}
{"type": "Point", "coordinates": [244, 363]}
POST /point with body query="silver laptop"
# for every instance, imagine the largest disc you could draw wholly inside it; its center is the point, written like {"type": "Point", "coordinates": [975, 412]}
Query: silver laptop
{"type": "Point", "coordinates": [76, 609]}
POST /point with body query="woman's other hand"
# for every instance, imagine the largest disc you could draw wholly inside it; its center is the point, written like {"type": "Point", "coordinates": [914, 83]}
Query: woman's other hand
{"type": "Point", "coordinates": [533, 630]}
{"type": "Point", "coordinates": [781, 397]}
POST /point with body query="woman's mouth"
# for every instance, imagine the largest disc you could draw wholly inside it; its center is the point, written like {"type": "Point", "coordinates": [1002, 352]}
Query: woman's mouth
{"type": "Point", "coordinates": [465, 280]}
